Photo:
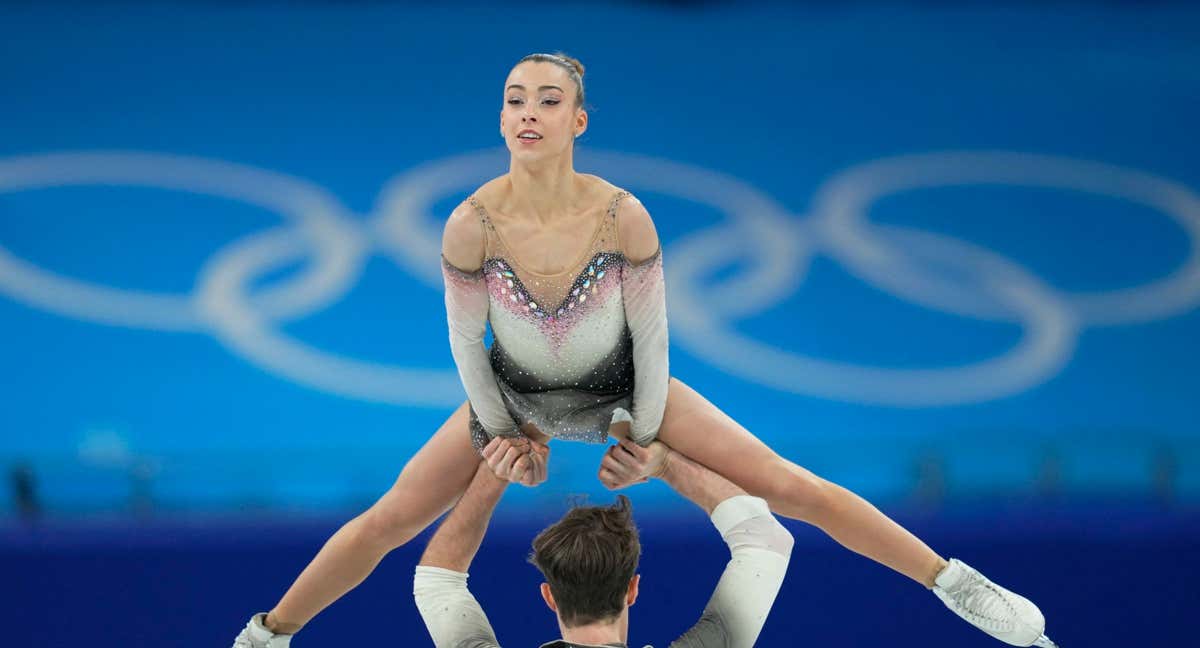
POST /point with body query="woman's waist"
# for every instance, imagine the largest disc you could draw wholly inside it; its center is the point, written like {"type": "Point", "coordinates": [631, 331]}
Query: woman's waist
{"type": "Point", "coordinates": [607, 373]}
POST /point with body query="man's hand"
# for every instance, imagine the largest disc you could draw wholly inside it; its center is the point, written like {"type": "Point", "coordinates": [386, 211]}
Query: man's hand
{"type": "Point", "coordinates": [628, 463]}
{"type": "Point", "coordinates": [517, 459]}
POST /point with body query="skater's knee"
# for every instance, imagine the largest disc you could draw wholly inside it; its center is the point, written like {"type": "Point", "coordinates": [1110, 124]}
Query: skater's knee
{"type": "Point", "coordinates": [798, 493]}
{"type": "Point", "coordinates": [385, 528]}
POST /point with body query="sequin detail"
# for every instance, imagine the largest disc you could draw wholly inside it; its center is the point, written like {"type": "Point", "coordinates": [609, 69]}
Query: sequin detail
{"type": "Point", "coordinates": [562, 352]}
{"type": "Point", "coordinates": [588, 282]}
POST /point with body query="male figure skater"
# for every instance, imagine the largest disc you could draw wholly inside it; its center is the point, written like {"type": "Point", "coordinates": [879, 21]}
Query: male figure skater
{"type": "Point", "coordinates": [589, 559]}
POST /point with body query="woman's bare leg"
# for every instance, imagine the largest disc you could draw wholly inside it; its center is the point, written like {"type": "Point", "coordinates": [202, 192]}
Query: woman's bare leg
{"type": "Point", "coordinates": [429, 485]}
{"type": "Point", "coordinates": [696, 428]}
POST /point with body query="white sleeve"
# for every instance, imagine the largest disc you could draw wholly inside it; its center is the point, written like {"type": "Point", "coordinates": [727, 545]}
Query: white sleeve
{"type": "Point", "coordinates": [644, 294]}
{"type": "Point", "coordinates": [451, 614]}
{"type": "Point", "coordinates": [467, 315]}
{"type": "Point", "coordinates": [760, 549]}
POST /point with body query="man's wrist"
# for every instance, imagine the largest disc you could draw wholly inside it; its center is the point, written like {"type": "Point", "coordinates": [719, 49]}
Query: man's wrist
{"type": "Point", "coordinates": [702, 486]}
{"type": "Point", "coordinates": [487, 479]}
{"type": "Point", "coordinates": [670, 465]}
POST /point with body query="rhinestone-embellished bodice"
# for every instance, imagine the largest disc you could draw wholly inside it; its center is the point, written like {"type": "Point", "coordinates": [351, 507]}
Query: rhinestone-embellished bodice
{"type": "Point", "coordinates": [555, 331]}
{"type": "Point", "coordinates": [565, 346]}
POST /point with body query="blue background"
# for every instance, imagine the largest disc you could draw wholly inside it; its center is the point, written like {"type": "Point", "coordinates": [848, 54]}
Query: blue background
{"type": "Point", "coordinates": [183, 485]}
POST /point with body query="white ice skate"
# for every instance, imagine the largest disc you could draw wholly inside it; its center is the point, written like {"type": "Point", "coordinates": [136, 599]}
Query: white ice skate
{"type": "Point", "coordinates": [1009, 617]}
{"type": "Point", "coordinates": [256, 635]}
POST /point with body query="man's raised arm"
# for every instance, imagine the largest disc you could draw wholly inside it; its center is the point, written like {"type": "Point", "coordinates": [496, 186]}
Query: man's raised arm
{"type": "Point", "coordinates": [759, 545]}
{"type": "Point", "coordinates": [451, 614]}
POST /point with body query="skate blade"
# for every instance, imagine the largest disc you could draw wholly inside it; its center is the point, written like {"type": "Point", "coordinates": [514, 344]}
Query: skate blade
{"type": "Point", "coordinates": [1044, 642]}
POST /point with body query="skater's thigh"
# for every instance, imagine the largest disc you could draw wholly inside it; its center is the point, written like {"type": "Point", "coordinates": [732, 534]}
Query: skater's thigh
{"type": "Point", "coordinates": [435, 477]}
{"type": "Point", "coordinates": [696, 428]}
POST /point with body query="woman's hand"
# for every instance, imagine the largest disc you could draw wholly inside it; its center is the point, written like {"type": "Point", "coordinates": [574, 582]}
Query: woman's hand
{"type": "Point", "coordinates": [517, 459]}
{"type": "Point", "coordinates": [628, 463]}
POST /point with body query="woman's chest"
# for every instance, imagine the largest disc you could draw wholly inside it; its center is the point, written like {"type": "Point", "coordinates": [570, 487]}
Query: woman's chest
{"type": "Point", "coordinates": [550, 250]}
{"type": "Point", "coordinates": [561, 298]}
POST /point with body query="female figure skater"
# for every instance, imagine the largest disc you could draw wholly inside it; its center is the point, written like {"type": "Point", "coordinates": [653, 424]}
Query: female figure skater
{"type": "Point", "coordinates": [567, 270]}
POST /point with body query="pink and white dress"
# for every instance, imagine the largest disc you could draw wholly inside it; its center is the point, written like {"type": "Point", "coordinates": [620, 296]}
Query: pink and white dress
{"type": "Point", "coordinates": [572, 352]}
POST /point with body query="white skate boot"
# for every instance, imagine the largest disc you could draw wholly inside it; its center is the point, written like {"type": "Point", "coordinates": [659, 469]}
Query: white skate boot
{"type": "Point", "coordinates": [1008, 617]}
{"type": "Point", "coordinates": [256, 635]}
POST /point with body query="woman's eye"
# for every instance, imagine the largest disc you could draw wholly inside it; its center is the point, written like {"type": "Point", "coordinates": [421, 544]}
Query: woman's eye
{"type": "Point", "coordinates": [550, 102]}
{"type": "Point", "coordinates": [514, 102]}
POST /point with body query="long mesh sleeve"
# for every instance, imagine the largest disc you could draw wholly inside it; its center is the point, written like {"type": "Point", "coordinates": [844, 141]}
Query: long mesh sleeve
{"type": "Point", "coordinates": [451, 614]}
{"type": "Point", "coordinates": [644, 294]}
{"type": "Point", "coordinates": [466, 315]}
{"type": "Point", "coordinates": [759, 550]}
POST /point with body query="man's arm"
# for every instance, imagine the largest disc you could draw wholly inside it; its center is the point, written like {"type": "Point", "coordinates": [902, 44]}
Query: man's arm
{"type": "Point", "coordinates": [759, 545]}
{"type": "Point", "coordinates": [702, 486]}
{"type": "Point", "coordinates": [455, 543]}
{"type": "Point", "coordinates": [451, 614]}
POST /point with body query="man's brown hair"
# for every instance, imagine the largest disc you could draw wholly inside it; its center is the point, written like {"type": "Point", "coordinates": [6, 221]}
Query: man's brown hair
{"type": "Point", "coordinates": [588, 558]}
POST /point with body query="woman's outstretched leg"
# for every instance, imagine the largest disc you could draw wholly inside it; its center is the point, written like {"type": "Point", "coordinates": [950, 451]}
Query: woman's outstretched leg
{"type": "Point", "coordinates": [696, 428]}
{"type": "Point", "coordinates": [429, 484]}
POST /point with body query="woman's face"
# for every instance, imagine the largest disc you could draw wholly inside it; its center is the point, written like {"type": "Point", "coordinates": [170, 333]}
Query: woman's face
{"type": "Point", "coordinates": [539, 118]}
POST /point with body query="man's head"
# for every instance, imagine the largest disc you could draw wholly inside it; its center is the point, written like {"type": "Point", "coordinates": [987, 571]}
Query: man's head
{"type": "Point", "coordinates": [588, 559]}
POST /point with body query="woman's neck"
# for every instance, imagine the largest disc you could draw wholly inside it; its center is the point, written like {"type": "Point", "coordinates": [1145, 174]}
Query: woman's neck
{"type": "Point", "coordinates": [544, 192]}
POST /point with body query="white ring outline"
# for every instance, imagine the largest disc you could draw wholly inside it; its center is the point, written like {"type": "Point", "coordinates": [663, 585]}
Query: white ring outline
{"type": "Point", "coordinates": [309, 208]}
{"type": "Point", "coordinates": [842, 205]}
{"type": "Point", "coordinates": [1046, 345]}
{"type": "Point", "coordinates": [223, 296]}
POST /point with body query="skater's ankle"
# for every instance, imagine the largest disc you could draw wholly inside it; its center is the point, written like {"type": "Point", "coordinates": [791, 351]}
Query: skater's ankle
{"type": "Point", "coordinates": [276, 626]}
{"type": "Point", "coordinates": [931, 580]}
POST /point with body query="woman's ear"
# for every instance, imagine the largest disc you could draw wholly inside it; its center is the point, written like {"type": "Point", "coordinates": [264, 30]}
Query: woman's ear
{"type": "Point", "coordinates": [581, 123]}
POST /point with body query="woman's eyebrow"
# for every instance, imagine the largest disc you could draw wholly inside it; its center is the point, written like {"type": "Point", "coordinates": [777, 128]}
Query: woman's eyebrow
{"type": "Point", "coordinates": [545, 87]}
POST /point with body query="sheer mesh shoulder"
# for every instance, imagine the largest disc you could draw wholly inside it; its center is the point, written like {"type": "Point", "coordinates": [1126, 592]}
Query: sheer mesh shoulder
{"type": "Point", "coordinates": [549, 292]}
{"type": "Point", "coordinates": [562, 350]}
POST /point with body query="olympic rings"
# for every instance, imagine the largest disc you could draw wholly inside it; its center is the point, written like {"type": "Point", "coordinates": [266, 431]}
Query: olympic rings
{"type": "Point", "coordinates": [770, 248]}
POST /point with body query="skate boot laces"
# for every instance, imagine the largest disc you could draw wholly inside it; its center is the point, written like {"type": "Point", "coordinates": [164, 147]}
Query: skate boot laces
{"type": "Point", "coordinates": [983, 603]}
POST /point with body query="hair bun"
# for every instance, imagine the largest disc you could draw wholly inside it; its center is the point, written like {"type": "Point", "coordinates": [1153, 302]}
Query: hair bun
{"type": "Point", "coordinates": [572, 61]}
